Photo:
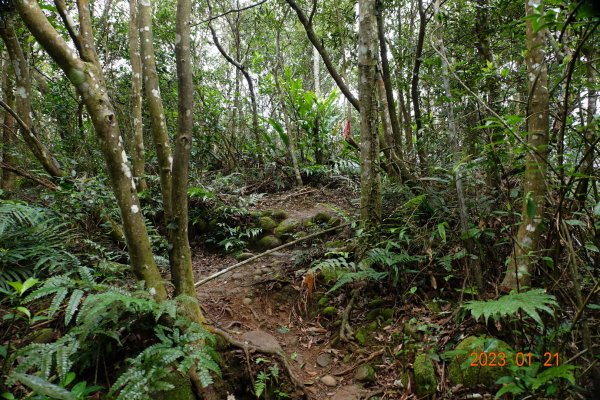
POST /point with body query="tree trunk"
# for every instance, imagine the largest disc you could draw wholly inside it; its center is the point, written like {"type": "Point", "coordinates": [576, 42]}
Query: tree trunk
{"type": "Point", "coordinates": [180, 254]}
{"type": "Point", "coordinates": [8, 129]}
{"type": "Point", "coordinates": [370, 185]}
{"type": "Point", "coordinates": [137, 139]}
{"type": "Point", "coordinates": [414, 86]}
{"type": "Point", "coordinates": [23, 98]}
{"type": "Point", "coordinates": [86, 75]}
{"type": "Point", "coordinates": [526, 246]}
{"type": "Point", "coordinates": [158, 124]}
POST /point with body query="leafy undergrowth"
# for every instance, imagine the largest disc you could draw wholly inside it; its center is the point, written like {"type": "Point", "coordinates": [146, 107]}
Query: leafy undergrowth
{"type": "Point", "coordinates": [380, 315]}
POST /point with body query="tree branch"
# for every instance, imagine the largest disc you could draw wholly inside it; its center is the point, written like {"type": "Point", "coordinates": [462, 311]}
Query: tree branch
{"type": "Point", "coordinates": [236, 10]}
{"type": "Point", "coordinates": [314, 39]}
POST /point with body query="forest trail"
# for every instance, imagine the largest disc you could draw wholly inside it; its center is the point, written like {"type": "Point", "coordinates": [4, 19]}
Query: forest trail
{"type": "Point", "coordinates": [267, 299]}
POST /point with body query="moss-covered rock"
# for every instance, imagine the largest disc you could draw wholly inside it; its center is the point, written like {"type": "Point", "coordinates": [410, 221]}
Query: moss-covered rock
{"type": "Point", "coordinates": [279, 215]}
{"type": "Point", "coordinates": [268, 242]}
{"type": "Point", "coordinates": [286, 227]}
{"type": "Point", "coordinates": [182, 388]}
{"type": "Point", "coordinates": [321, 218]}
{"type": "Point", "coordinates": [425, 380]}
{"type": "Point", "coordinates": [470, 376]}
{"type": "Point", "coordinates": [267, 223]}
{"type": "Point", "coordinates": [365, 373]}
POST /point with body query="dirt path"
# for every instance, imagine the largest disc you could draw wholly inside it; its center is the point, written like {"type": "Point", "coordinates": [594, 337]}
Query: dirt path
{"type": "Point", "coordinates": [268, 296]}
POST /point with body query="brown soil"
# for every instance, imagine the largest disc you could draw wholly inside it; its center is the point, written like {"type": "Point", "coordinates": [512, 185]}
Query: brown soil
{"type": "Point", "coordinates": [268, 295]}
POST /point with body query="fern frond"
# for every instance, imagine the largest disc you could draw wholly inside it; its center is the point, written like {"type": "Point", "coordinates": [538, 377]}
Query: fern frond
{"type": "Point", "coordinates": [530, 302]}
{"type": "Point", "coordinates": [73, 305]}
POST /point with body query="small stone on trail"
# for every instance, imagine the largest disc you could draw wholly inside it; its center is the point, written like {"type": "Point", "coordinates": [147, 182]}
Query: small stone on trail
{"type": "Point", "coordinates": [247, 301]}
{"type": "Point", "coordinates": [329, 380]}
{"type": "Point", "coordinates": [323, 360]}
{"type": "Point", "coordinates": [365, 373]}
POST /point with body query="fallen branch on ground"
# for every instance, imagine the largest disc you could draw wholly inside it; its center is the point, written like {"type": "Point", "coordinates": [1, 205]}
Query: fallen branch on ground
{"type": "Point", "coordinates": [266, 253]}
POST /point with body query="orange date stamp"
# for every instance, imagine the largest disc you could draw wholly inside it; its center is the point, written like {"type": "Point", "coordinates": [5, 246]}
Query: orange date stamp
{"type": "Point", "coordinates": [501, 359]}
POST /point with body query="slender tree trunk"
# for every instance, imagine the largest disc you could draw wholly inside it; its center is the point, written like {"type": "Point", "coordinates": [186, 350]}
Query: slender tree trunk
{"type": "Point", "coordinates": [316, 71]}
{"type": "Point", "coordinates": [137, 139]}
{"type": "Point", "coordinates": [23, 98]}
{"type": "Point", "coordinates": [8, 128]}
{"type": "Point", "coordinates": [526, 246]}
{"type": "Point", "coordinates": [370, 193]}
{"type": "Point", "coordinates": [414, 86]}
{"type": "Point", "coordinates": [181, 255]}
{"type": "Point", "coordinates": [86, 75]}
{"type": "Point", "coordinates": [158, 124]}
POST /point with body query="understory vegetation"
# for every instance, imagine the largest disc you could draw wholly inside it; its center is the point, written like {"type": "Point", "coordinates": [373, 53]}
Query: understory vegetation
{"type": "Point", "coordinates": [381, 199]}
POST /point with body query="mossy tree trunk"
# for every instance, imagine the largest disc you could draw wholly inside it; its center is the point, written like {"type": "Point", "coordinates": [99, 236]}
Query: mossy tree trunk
{"type": "Point", "coordinates": [526, 246]}
{"type": "Point", "coordinates": [158, 125]}
{"type": "Point", "coordinates": [180, 253]}
{"type": "Point", "coordinates": [8, 127]}
{"type": "Point", "coordinates": [83, 70]}
{"type": "Point", "coordinates": [370, 182]}
{"type": "Point", "coordinates": [137, 135]}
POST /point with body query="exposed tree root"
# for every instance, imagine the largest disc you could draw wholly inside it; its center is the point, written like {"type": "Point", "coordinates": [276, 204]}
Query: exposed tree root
{"type": "Point", "coordinates": [247, 348]}
{"type": "Point", "coordinates": [346, 332]}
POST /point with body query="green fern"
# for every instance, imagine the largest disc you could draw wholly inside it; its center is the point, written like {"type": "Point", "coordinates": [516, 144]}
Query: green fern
{"type": "Point", "coordinates": [32, 240]}
{"type": "Point", "coordinates": [530, 302]}
{"type": "Point", "coordinates": [148, 371]}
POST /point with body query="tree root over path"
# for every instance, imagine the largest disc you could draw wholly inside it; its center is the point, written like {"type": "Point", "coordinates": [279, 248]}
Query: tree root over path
{"type": "Point", "coordinates": [266, 253]}
{"type": "Point", "coordinates": [278, 353]}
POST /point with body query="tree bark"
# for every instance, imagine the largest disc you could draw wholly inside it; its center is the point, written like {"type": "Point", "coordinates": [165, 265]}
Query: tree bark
{"type": "Point", "coordinates": [85, 74]}
{"type": "Point", "coordinates": [8, 128]}
{"type": "Point", "coordinates": [181, 255]}
{"type": "Point", "coordinates": [414, 86]}
{"type": "Point", "coordinates": [526, 246]}
{"type": "Point", "coordinates": [137, 139]}
{"type": "Point", "coordinates": [158, 124]}
{"type": "Point", "coordinates": [23, 98]}
{"type": "Point", "coordinates": [370, 183]}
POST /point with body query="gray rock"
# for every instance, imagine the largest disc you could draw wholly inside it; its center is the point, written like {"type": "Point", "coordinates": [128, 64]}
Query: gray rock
{"type": "Point", "coordinates": [323, 360]}
{"type": "Point", "coordinates": [329, 380]}
{"type": "Point", "coordinates": [247, 301]}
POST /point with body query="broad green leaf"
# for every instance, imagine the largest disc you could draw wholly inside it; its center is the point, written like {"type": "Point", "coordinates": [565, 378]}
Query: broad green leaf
{"type": "Point", "coordinates": [576, 222]}
{"type": "Point", "coordinates": [442, 231]}
{"type": "Point", "coordinates": [530, 205]}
